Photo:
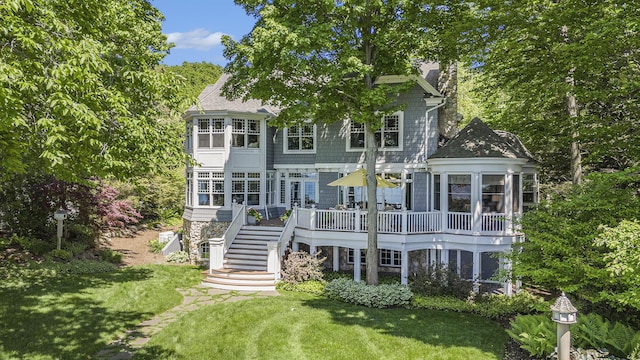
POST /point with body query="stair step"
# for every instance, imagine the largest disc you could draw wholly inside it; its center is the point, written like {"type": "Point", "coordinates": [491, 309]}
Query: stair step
{"type": "Point", "coordinates": [263, 228]}
{"type": "Point", "coordinates": [251, 237]}
{"type": "Point", "coordinates": [244, 267]}
{"type": "Point", "coordinates": [250, 262]}
{"type": "Point", "coordinates": [238, 286]}
{"type": "Point", "coordinates": [249, 256]}
{"type": "Point", "coordinates": [247, 250]}
{"type": "Point", "coordinates": [239, 275]}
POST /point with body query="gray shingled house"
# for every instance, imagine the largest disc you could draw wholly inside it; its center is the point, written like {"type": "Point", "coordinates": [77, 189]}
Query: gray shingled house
{"type": "Point", "coordinates": [455, 204]}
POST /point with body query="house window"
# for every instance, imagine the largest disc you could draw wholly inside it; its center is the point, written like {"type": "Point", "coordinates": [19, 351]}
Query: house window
{"type": "Point", "coordinates": [300, 138]}
{"type": "Point", "coordinates": [211, 189]}
{"type": "Point", "coordinates": [189, 190]}
{"type": "Point", "coordinates": [204, 250]}
{"type": "Point", "coordinates": [245, 133]}
{"type": "Point", "coordinates": [271, 188]}
{"type": "Point", "coordinates": [245, 188]}
{"type": "Point", "coordinates": [529, 191]}
{"type": "Point", "coordinates": [459, 189]}
{"type": "Point", "coordinates": [363, 256]}
{"type": "Point", "coordinates": [188, 141]}
{"type": "Point", "coordinates": [388, 137]}
{"type": "Point", "coordinates": [210, 133]}
{"type": "Point", "coordinates": [493, 193]}
{"type": "Point", "coordinates": [390, 258]}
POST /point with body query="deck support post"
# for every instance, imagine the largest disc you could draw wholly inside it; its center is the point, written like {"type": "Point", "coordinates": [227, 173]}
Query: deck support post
{"type": "Point", "coordinates": [476, 271]}
{"type": "Point", "coordinates": [404, 269]}
{"type": "Point", "coordinates": [356, 264]}
{"type": "Point", "coordinates": [336, 258]}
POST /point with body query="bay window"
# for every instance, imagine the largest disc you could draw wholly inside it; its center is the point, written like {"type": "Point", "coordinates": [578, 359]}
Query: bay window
{"type": "Point", "coordinates": [245, 133]}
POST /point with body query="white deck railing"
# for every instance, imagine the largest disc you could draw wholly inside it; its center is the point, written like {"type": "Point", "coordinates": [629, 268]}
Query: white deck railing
{"type": "Point", "coordinates": [218, 246]}
{"type": "Point", "coordinates": [403, 222]}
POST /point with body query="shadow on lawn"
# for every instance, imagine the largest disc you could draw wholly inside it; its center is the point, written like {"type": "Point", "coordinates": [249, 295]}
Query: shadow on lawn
{"type": "Point", "coordinates": [55, 318]}
{"type": "Point", "coordinates": [437, 328]}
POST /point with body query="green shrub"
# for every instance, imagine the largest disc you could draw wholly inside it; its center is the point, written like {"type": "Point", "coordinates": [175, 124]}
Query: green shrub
{"type": "Point", "coordinates": [110, 256]}
{"type": "Point", "coordinates": [178, 257]}
{"type": "Point", "coordinates": [61, 254]}
{"type": "Point", "coordinates": [312, 286]}
{"type": "Point", "coordinates": [359, 293]}
{"type": "Point", "coordinates": [438, 280]}
{"type": "Point", "coordinates": [300, 266]}
{"type": "Point", "coordinates": [156, 246]}
{"type": "Point", "coordinates": [493, 306]}
{"type": "Point", "coordinates": [534, 333]}
{"type": "Point", "coordinates": [595, 332]}
{"type": "Point", "coordinates": [33, 245]}
{"type": "Point", "coordinates": [76, 248]}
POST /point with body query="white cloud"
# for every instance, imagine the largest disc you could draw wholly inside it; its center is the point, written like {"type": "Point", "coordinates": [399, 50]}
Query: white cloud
{"type": "Point", "coordinates": [199, 39]}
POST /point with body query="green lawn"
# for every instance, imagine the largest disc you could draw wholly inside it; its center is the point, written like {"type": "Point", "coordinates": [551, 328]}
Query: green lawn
{"type": "Point", "coordinates": [300, 326]}
{"type": "Point", "coordinates": [74, 317]}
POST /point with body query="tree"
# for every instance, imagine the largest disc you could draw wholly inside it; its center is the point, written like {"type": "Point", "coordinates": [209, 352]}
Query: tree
{"type": "Point", "coordinates": [81, 92]}
{"type": "Point", "coordinates": [321, 60]}
{"type": "Point", "coordinates": [571, 246]}
{"type": "Point", "coordinates": [558, 73]}
{"type": "Point", "coordinates": [196, 77]}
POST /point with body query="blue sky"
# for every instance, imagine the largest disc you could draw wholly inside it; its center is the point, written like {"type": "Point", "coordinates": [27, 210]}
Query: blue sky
{"type": "Point", "coordinates": [196, 26]}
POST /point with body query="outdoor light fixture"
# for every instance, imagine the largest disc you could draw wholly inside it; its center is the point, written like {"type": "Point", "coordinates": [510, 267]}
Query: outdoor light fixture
{"type": "Point", "coordinates": [564, 314]}
{"type": "Point", "coordinates": [60, 215]}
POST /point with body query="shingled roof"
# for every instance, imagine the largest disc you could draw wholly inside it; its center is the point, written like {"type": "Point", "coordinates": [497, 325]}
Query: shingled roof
{"type": "Point", "coordinates": [477, 140]}
{"type": "Point", "coordinates": [211, 98]}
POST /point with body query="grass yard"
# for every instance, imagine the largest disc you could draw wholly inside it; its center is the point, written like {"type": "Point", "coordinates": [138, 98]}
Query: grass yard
{"type": "Point", "coordinates": [73, 317]}
{"type": "Point", "coordinates": [302, 326]}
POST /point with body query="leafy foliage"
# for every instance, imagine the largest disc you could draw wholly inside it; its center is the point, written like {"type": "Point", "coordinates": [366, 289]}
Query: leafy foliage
{"type": "Point", "coordinates": [156, 246]}
{"type": "Point", "coordinates": [493, 306]}
{"type": "Point", "coordinates": [529, 51]}
{"type": "Point", "coordinates": [623, 260]}
{"type": "Point", "coordinates": [300, 266]}
{"type": "Point", "coordinates": [438, 280]}
{"type": "Point", "coordinates": [310, 286]}
{"type": "Point", "coordinates": [82, 92]}
{"type": "Point", "coordinates": [534, 333]}
{"type": "Point", "coordinates": [179, 257]}
{"type": "Point", "coordinates": [28, 202]}
{"type": "Point", "coordinates": [196, 76]}
{"type": "Point", "coordinates": [377, 296]}
{"type": "Point", "coordinates": [561, 251]}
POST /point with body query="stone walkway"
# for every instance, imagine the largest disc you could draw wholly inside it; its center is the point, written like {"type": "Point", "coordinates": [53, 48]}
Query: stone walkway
{"type": "Point", "coordinates": [193, 298]}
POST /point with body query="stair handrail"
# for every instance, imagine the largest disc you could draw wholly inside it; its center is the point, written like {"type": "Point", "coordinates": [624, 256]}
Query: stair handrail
{"type": "Point", "coordinates": [233, 229]}
{"type": "Point", "coordinates": [218, 246]}
{"type": "Point", "coordinates": [283, 240]}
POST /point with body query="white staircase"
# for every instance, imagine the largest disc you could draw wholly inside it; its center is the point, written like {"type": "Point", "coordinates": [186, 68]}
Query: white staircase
{"type": "Point", "coordinates": [245, 263]}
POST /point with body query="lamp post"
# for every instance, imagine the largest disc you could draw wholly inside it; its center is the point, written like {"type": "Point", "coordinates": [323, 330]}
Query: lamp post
{"type": "Point", "coordinates": [60, 215]}
{"type": "Point", "coordinates": [565, 315]}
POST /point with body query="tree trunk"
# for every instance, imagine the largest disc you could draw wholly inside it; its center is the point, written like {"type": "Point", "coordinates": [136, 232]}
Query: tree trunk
{"type": "Point", "coordinates": [572, 109]}
{"type": "Point", "coordinates": [372, 208]}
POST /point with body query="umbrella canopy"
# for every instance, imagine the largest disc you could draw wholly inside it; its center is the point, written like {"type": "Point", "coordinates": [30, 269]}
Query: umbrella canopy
{"type": "Point", "coordinates": [359, 178]}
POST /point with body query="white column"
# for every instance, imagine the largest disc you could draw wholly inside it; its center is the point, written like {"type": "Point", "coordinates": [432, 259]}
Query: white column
{"type": "Point", "coordinates": [295, 247]}
{"type": "Point", "coordinates": [476, 202]}
{"type": "Point", "coordinates": [445, 257]}
{"type": "Point", "coordinates": [216, 253]}
{"type": "Point", "coordinates": [404, 267]}
{"type": "Point", "coordinates": [508, 202]}
{"type": "Point", "coordinates": [336, 258]}
{"type": "Point", "coordinates": [356, 264]}
{"type": "Point", "coordinates": [476, 270]}
{"type": "Point", "coordinates": [444, 200]}
{"type": "Point", "coordinates": [312, 249]}
{"type": "Point", "coordinates": [508, 289]}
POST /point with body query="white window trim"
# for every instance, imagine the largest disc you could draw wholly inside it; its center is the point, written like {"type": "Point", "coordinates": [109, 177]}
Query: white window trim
{"type": "Point", "coordinates": [400, 146]}
{"type": "Point", "coordinates": [285, 143]}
